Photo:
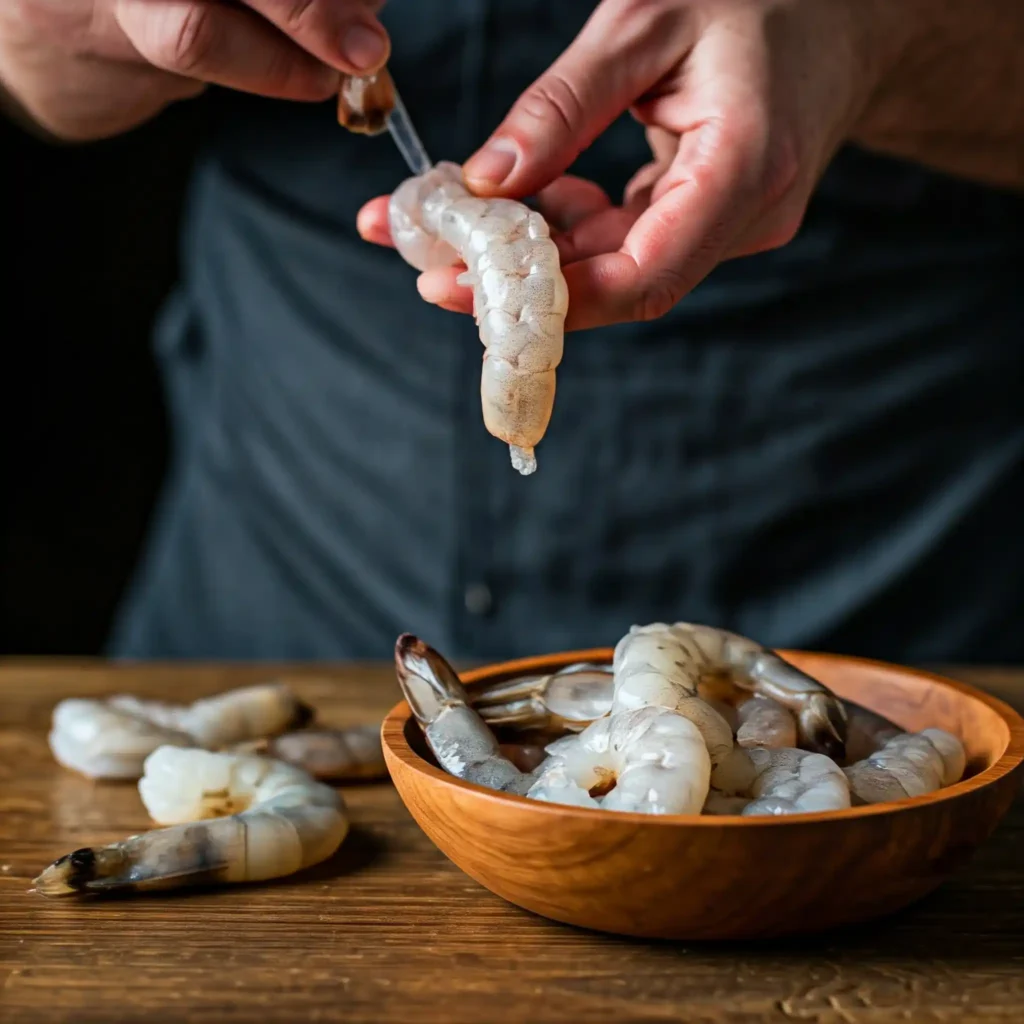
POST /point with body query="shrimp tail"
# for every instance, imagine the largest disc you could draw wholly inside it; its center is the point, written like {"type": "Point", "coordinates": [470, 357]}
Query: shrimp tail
{"type": "Point", "coordinates": [459, 738]}
{"type": "Point", "coordinates": [823, 725]}
{"type": "Point", "coordinates": [428, 682]}
{"type": "Point", "coordinates": [136, 865]}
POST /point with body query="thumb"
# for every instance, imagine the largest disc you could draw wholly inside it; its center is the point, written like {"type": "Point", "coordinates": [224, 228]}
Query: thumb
{"type": "Point", "coordinates": [623, 50]}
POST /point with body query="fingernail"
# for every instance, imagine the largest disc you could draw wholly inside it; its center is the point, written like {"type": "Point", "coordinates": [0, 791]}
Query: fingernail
{"type": "Point", "coordinates": [493, 164]}
{"type": "Point", "coordinates": [364, 47]}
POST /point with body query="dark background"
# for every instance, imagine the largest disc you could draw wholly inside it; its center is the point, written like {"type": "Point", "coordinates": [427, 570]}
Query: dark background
{"type": "Point", "coordinates": [89, 238]}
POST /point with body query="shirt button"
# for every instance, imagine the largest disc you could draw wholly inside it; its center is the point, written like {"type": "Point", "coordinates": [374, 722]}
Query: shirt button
{"type": "Point", "coordinates": [478, 599]}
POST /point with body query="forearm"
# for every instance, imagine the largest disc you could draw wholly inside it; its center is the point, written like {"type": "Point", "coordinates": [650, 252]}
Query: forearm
{"type": "Point", "coordinates": [955, 98]}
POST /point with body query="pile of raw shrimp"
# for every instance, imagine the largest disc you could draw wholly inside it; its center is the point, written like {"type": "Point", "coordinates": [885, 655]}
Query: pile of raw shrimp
{"type": "Point", "coordinates": [240, 778]}
{"type": "Point", "coordinates": [689, 719]}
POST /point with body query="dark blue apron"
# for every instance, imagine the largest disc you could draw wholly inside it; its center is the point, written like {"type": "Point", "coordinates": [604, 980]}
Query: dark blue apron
{"type": "Point", "coordinates": [821, 446]}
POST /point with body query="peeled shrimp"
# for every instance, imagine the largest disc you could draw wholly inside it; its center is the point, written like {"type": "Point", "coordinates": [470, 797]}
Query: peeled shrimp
{"type": "Point", "coordinates": [270, 819]}
{"type": "Point", "coordinates": [110, 739]}
{"type": "Point", "coordinates": [779, 781]}
{"type": "Point", "coordinates": [909, 764]}
{"type": "Point", "coordinates": [647, 760]}
{"type": "Point", "coordinates": [519, 294]}
{"type": "Point", "coordinates": [338, 755]}
{"type": "Point", "coordinates": [657, 664]}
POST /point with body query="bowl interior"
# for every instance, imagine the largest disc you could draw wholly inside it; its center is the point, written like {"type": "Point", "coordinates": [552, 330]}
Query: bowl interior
{"type": "Point", "coordinates": [913, 700]}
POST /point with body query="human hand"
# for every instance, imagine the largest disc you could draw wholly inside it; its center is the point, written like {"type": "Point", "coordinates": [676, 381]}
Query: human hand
{"type": "Point", "coordinates": [745, 103]}
{"type": "Point", "coordinates": [84, 69]}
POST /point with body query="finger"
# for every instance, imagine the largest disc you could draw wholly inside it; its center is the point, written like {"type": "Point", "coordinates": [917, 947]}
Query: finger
{"type": "Point", "coordinates": [701, 206]}
{"type": "Point", "coordinates": [569, 199]}
{"type": "Point", "coordinates": [603, 232]}
{"type": "Point", "coordinates": [772, 231]}
{"type": "Point", "coordinates": [623, 50]}
{"type": "Point", "coordinates": [372, 222]}
{"type": "Point", "coordinates": [226, 46]}
{"type": "Point", "coordinates": [345, 35]}
{"type": "Point", "coordinates": [439, 287]}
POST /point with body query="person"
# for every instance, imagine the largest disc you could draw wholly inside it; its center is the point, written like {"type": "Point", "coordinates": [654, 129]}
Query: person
{"type": "Point", "coordinates": [792, 397]}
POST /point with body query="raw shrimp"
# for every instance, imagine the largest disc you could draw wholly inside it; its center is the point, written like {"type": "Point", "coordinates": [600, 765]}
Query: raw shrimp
{"type": "Point", "coordinates": [270, 819]}
{"type": "Point", "coordinates": [779, 781]}
{"type": "Point", "coordinates": [659, 663]}
{"type": "Point", "coordinates": [338, 755]}
{"type": "Point", "coordinates": [110, 739]}
{"type": "Point", "coordinates": [567, 700]}
{"type": "Point", "coordinates": [460, 739]}
{"type": "Point", "coordinates": [909, 764]}
{"type": "Point", "coordinates": [647, 760]}
{"type": "Point", "coordinates": [519, 294]}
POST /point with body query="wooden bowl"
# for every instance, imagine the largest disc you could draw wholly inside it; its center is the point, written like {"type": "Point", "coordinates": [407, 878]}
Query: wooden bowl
{"type": "Point", "coordinates": [697, 877]}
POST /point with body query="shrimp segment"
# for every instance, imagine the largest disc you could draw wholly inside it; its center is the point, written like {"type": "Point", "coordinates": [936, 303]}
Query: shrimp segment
{"type": "Point", "coordinates": [909, 764]}
{"type": "Point", "coordinates": [763, 780]}
{"type": "Point", "coordinates": [338, 755]}
{"type": "Point", "coordinates": [269, 819]}
{"type": "Point", "coordinates": [519, 294]}
{"type": "Point", "coordinates": [111, 739]}
{"type": "Point", "coordinates": [655, 664]}
{"type": "Point", "coordinates": [647, 760]}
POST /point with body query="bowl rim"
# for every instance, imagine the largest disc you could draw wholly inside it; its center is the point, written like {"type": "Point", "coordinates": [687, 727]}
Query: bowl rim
{"type": "Point", "coordinates": [396, 746]}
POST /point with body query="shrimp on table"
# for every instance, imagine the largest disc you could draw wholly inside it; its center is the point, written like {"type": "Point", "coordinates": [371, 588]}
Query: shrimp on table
{"type": "Point", "coordinates": [234, 818]}
{"type": "Point", "coordinates": [520, 297]}
{"type": "Point", "coordinates": [909, 764]}
{"type": "Point", "coordinates": [111, 739]}
{"type": "Point", "coordinates": [336, 755]}
{"type": "Point", "coordinates": [780, 781]}
{"type": "Point", "coordinates": [659, 663]}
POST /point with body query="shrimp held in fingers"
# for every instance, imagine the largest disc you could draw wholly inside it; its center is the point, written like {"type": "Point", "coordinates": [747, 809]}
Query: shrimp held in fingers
{"type": "Point", "coordinates": [110, 739]}
{"type": "Point", "coordinates": [234, 818]}
{"type": "Point", "coordinates": [520, 297]}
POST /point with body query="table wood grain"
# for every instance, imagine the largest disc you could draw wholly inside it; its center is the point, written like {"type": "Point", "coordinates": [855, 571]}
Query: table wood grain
{"type": "Point", "coordinates": [389, 930]}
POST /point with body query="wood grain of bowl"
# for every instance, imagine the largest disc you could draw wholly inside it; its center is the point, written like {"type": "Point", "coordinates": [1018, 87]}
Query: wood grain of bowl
{"type": "Point", "coordinates": [704, 878]}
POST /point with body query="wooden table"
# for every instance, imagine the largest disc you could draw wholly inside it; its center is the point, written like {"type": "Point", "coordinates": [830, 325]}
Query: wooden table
{"type": "Point", "coordinates": [390, 930]}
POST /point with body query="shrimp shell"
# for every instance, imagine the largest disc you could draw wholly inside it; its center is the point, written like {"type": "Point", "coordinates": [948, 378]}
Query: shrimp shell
{"type": "Point", "coordinates": [269, 819]}
{"type": "Point", "coordinates": [336, 755]}
{"type": "Point", "coordinates": [520, 297]}
{"type": "Point", "coordinates": [909, 764]}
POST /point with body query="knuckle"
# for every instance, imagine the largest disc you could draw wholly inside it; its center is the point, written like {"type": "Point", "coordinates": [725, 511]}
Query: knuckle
{"type": "Point", "coordinates": [553, 97]}
{"type": "Point", "coordinates": [781, 171]}
{"type": "Point", "coordinates": [188, 41]}
{"type": "Point", "coordinates": [661, 295]}
{"type": "Point", "coordinates": [296, 14]}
